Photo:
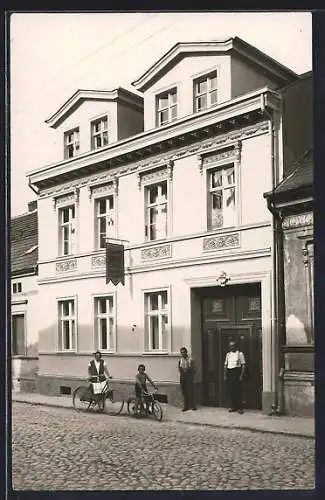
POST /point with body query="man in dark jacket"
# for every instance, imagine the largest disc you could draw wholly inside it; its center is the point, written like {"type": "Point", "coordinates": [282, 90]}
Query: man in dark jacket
{"type": "Point", "coordinates": [186, 370]}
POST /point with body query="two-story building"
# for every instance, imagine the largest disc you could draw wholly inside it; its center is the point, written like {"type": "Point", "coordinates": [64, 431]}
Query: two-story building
{"type": "Point", "coordinates": [24, 310]}
{"type": "Point", "coordinates": [184, 191]}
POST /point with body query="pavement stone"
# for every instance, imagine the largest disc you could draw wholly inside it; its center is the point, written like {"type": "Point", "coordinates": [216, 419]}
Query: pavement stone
{"type": "Point", "coordinates": [55, 448]}
{"type": "Point", "coordinates": [207, 416]}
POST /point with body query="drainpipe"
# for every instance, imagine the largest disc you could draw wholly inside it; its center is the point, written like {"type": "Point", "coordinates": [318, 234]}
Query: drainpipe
{"type": "Point", "coordinates": [274, 224]}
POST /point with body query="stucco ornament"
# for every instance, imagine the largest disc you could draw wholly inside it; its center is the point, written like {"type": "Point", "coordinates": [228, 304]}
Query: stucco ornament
{"type": "Point", "coordinates": [222, 278]}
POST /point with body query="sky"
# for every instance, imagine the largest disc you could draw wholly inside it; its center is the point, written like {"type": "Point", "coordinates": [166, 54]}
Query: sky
{"type": "Point", "coordinates": [54, 54]}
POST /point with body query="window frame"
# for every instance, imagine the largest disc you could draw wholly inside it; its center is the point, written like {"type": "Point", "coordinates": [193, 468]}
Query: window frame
{"type": "Point", "coordinates": [74, 143]}
{"type": "Point", "coordinates": [74, 317]}
{"type": "Point", "coordinates": [169, 91]}
{"type": "Point", "coordinates": [98, 216]}
{"type": "Point", "coordinates": [148, 349]}
{"type": "Point", "coordinates": [96, 343]}
{"type": "Point", "coordinates": [205, 76]}
{"type": "Point", "coordinates": [16, 284]}
{"type": "Point", "coordinates": [101, 119]}
{"type": "Point", "coordinates": [72, 228]}
{"type": "Point", "coordinates": [148, 206]}
{"type": "Point", "coordinates": [24, 315]}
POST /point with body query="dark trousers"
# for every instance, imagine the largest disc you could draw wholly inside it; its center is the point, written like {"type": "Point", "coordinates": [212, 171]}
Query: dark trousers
{"type": "Point", "coordinates": [187, 387]}
{"type": "Point", "coordinates": [234, 388]}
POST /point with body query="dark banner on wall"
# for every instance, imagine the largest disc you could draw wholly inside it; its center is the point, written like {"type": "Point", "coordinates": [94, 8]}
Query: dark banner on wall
{"type": "Point", "coordinates": [114, 263]}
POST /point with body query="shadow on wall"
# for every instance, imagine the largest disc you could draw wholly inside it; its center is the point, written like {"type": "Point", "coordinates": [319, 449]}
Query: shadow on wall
{"type": "Point", "coordinates": [32, 350]}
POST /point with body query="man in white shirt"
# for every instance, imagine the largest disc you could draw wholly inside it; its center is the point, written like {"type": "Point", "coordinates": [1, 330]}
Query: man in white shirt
{"type": "Point", "coordinates": [97, 369]}
{"type": "Point", "coordinates": [234, 369]}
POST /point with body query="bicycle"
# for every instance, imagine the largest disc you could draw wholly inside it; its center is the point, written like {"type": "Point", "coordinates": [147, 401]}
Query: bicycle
{"type": "Point", "coordinates": [154, 407]}
{"type": "Point", "coordinates": [98, 397]}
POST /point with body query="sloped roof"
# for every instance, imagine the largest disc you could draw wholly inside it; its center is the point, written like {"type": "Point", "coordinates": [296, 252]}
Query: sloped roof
{"type": "Point", "coordinates": [300, 177]}
{"type": "Point", "coordinates": [24, 243]}
{"type": "Point", "coordinates": [233, 45]}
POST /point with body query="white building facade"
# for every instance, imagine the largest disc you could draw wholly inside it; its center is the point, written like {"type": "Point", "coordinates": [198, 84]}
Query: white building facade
{"type": "Point", "coordinates": [184, 191]}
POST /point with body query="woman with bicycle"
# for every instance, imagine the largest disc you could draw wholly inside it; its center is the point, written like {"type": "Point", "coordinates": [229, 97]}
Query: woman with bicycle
{"type": "Point", "coordinates": [141, 387]}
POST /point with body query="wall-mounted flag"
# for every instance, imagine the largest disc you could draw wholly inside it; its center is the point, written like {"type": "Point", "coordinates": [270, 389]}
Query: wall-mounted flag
{"type": "Point", "coordinates": [114, 263]}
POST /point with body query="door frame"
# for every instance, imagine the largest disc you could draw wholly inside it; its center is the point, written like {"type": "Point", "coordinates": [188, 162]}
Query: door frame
{"type": "Point", "coordinates": [269, 375]}
{"type": "Point", "coordinates": [19, 313]}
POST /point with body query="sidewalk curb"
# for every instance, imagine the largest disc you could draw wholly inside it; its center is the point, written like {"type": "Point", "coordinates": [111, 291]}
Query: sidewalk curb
{"type": "Point", "coordinates": [199, 424]}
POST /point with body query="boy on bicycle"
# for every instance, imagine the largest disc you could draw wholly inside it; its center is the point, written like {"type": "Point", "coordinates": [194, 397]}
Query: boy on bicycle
{"type": "Point", "coordinates": [141, 387]}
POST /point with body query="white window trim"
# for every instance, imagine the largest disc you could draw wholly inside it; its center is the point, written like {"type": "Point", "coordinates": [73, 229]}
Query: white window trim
{"type": "Point", "coordinates": [206, 171]}
{"type": "Point", "coordinates": [95, 199]}
{"type": "Point", "coordinates": [65, 133]}
{"type": "Point", "coordinates": [199, 75]}
{"type": "Point", "coordinates": [146, 185]}
{"type": "Point", "coordinates": [95, 296]}
{"type": "Point", "coordinates": [20, 313]}
{"type": "Point", "coordinates": [157, 94]}
{"type": "Point", "coordinates": [17, 283]}
{"type": "Point", "coordinates": [62, 299]}
{"type": "Point", "coordinates": [68, 203]}
{"type": "Point", "coordinates": [144, 292]}
{"type": "Point", "coordinates": [97, 118]}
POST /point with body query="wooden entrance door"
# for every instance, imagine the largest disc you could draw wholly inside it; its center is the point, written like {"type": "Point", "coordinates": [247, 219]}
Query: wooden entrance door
{"type": "Point", "coordinates": [231, 313]}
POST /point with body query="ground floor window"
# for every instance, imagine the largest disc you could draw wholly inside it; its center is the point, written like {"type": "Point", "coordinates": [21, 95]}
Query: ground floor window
{"type": "Point", "coordinates": [18, 342]}
{"type": "Point", "coordinates": [104, 322]}
{"type": "Point", "coordinates": [67, 324]}
{"type": "Point", "coordinates": [157, 320]}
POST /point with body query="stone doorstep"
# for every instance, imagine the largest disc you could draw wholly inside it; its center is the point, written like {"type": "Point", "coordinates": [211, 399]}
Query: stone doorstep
{"type": "Point", "coordinates": [210, 417]}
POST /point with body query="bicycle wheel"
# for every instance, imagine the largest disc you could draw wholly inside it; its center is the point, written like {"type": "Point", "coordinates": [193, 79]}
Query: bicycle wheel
{"type": "Point", "coordinates": [157, 411]}
{"type": "Point", "coordinates": [114, 402]}
{"type": "Point", "coordinates": [81, 399]}
{"type": "Point", "coordinates": [132, 406]}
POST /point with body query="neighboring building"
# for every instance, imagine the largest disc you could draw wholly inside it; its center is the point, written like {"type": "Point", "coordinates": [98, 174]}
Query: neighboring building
{"type": "Point", "coordinates": [24, 310]}
{"type": "Point", "coordinates": [291, 202]}
{"type": "Point", "coordinates": [187, 194]}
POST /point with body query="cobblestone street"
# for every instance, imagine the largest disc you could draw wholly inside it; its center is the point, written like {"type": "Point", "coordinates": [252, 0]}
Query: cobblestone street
{"type": "Point", "coordinates": [60, 449]}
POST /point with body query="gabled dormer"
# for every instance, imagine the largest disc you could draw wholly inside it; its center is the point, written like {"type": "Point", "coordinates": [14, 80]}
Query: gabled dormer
{"type": "Point", "coordinates": [193, 77]}
{"type": "Point", "coordinates": [93, 119]}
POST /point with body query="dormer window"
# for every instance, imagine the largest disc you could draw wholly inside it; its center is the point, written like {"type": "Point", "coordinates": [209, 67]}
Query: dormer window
{"type": "Point", "coordinates": [71, 143]}
{"type": "Point", "coordinates": [166, 107]}
{"type": "Point", "coordinates": [205, 91]}
{"type": "Point", "coordinates": [99, 133]}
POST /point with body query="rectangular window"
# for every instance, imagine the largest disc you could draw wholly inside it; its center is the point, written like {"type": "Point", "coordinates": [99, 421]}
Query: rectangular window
{"type": "Point", "coordinates": [17, 287]}
{"type": "Point", "coordinates": [105, 220]}
{"type": "Point", "coordinates": [309, 269]}
{"type": "Point", "coordinates": [221, 197]}
{"type": "Point", "coordinates": [67, 325]}
{"type": "Point", "coordinates": [18, 346]}
{"type": "Point", "coordinates": [99, 133]}
{"type": "Point", "coordinates": [67, 230]}
{"type": "Point", "coordinates": [71, 143]}
{"type": "Point", "coordinates": [104, 322]}
{"type": "Point", "coordinates": [157, 314]}
{"type": "Point", "coordinates": [156, 197]}
{"type": "Point", "coordinates": [205, 91]}
{"type": "Point", "coordinates": [166, 107]}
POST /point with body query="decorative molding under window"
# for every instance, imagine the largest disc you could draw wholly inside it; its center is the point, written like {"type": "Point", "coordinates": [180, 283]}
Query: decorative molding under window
{"type": "Point", "coordinates": [159, 173]}
{"type": "Point", "coordinates": [66, 265]}
{"type": "Point", "coordinates": [220, 242]}
{"type": "Point", "coordinates": [72, 197]}
{"type": "Point", "coordinates": [159, 252]}
{"type": "Point", "coordinates": [299, 220]}
{"type": "Point", "coordinates": [103, 189]}
{"type": "Point", "coordinates": [98, 261]}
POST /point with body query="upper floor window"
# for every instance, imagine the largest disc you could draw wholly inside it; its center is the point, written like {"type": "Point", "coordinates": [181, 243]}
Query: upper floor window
{"type": "Point", "coordinates": [166, 107]}
{"type": "Point", "coordinates": [156, 210]}
{"type": "Point", "coordinates": [205, 91]}
{"type": "Point", "coordinates": [104, 322]}
{"type": "Point", "coordinates": [105, 220]}
{"type": "Point", "coordinates": [67, 230]}
{"type": "Point", "coordinates": [67, 325]}
{"type": "Point", "coordinates": [156, 310]}
{"type": "Point", "coordinates": [71, 143]}
{"type": "Point", "coordinates": [221, 197]}
{"type": "Point", "coordinates": [17, 287]}
{"type": "Point", "coordinates": [99, 133]}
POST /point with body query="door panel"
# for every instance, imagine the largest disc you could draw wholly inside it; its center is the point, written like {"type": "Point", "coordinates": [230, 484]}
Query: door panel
{"type": "Point", "coordinates": [235, 315]}
{"type": "Point", "coordinates": [18, 335]}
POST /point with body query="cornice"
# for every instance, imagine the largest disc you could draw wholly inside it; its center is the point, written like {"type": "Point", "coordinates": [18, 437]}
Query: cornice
{"type": "Point", "coordinates": [236, 113]}
{"type": "Point", "coordinates": [164, 159]}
